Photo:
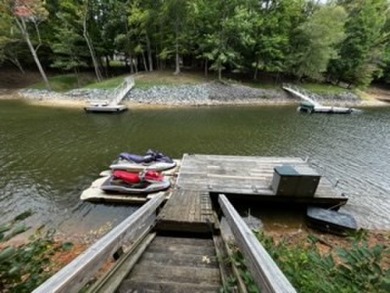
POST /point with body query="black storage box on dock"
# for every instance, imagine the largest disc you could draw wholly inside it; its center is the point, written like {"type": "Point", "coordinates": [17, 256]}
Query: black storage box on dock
{"type": "Point", "coordinates": [295, 181]}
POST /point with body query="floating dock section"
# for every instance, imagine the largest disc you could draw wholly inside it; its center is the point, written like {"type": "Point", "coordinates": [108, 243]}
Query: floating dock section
{"type": "Point", "coordinates": [311, 106]}
{"type": "Point", "coordinates": [202, 177]}
{"type": "Point", "coordinates": [114, 105]}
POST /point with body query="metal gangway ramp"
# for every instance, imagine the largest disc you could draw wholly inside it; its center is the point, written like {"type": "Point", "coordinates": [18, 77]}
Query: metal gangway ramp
{"type": "Point", "coordinates": [114, 105]}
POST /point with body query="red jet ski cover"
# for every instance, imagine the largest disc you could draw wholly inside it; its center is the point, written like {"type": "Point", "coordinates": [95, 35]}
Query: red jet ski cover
{"type": "Point", "coordinates": [127, 177]}
{"type": "Point", "coordinates": [153, 176]}
{"type": "Point", "coordinates": [133, 178]}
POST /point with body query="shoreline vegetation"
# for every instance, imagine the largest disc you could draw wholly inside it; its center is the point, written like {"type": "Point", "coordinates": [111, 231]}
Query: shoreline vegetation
{"type": "Point", "coordinates": [293, 247]}
{"type": "Point", "coordinates": [164, 90]}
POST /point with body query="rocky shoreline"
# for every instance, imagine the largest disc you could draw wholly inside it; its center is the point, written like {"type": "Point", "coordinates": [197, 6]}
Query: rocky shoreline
{"type": "Point", "coordinates": [212, 93]}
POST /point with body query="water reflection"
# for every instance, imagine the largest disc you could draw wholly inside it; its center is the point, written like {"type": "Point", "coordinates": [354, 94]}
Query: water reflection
{"type": "Point", "coordinates": [48, 156]}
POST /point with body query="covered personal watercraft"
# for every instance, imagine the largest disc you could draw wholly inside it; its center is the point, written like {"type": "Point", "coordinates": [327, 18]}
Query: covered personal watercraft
{"type": "Point", "coordinates": [152, 160]}
{"type": "Point", "coordinates": [135, 183]}
{"type": "Point", "coordinates": [330, 221]}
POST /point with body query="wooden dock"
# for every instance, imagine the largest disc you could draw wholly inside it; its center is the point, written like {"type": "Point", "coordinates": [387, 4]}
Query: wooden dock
{"type": "Point", "coordinates": [179, 245]}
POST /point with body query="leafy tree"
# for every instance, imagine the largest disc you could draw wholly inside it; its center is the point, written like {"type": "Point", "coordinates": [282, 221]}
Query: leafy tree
{"type": "Point", "coordinates": [316, 41]}
{"type": "Point", "coordinates": [140, 21]}
{"type": "Point", "coordinates": [174, 15]}
{"type": "Point", "coordinates": [86, 17]}
{"type": "Point", "coordinates": [27, 15]}
{"type": "Point", "coordinates": [273, 29]}
{"type": "Point", "coordinates": [226, 33]}
{"type": "Point", "coordinates": [362, 50]}
{"type": "Point", "coordinates": [69, 48]}
{"type": "Point", "coordinates": [10, 42]}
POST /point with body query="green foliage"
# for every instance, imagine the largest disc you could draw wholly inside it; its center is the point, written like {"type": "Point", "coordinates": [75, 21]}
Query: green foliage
{"type": "Point", "coordinates": [62, 83]}
{"type": "Point", "coordinates": [106, 84]}
{"type": "Point", "coordinates": [23, 268]}
{"type": "Point", "coordinates": [321, 88]}
{"type": "Point", "coordinates": [363, 47]}
{"type": "Point", "coordinates": [238, 261]}
{"type": "Point", "coordinates": [316, 40]}
{"type": "Point", "coordinates": [357, 269]}
{"type": "Point", "coordinates": [342, 41]}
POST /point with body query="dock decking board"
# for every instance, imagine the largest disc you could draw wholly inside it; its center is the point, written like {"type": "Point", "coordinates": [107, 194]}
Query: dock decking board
{"type": "Point", "coordinates": [187, 210]}
{"type": "Point", "coordinates": [239, 177]}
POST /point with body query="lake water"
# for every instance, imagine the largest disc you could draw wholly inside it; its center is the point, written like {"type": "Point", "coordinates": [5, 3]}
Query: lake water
{"type": "Point", "coordinates": [49, 155]}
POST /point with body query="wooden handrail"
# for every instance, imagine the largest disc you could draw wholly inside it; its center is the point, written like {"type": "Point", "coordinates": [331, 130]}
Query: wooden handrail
{"type": "Point", "coordinates": [267, 275]}
{"type": "Point", "coordinates": [75, 275]}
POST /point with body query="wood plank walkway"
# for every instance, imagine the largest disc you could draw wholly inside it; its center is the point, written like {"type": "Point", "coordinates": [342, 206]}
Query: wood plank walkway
{"type": "Point", "coordinates": [187, 210]}
{"type": "Point", "coordinates": [175, 264]}
{"type": "Point", "coordinates": [238, 177]}
{"type": "Point", "coordinates": [181, 247]}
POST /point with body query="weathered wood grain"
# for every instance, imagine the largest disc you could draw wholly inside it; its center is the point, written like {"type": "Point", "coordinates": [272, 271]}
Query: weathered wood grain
{"type": "Point", "coordinates": [187, 210]}
{"type": "Point", "coordinates": [265, 272]}
{"type": "Point", "coordinates": [175, 264]}
{"type": "Point", "coordinates": [248, 176]}
{"type": "Point", "coordinates": [115, 276]}
{"type": "Point", "coordinates": [76, 274]}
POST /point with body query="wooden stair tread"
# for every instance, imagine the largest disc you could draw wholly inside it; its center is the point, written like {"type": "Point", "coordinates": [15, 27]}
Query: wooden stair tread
{"type": "Point", "coordinates": [171, 287]}
{"type": "Point", "coordinates": [183, 240]}
{"type": "Point", "coordinates": [161, 258]}
{"type": "Point", "coordinates": [177, 274]}
{"type": "Point", "coordinates": [181, 249]}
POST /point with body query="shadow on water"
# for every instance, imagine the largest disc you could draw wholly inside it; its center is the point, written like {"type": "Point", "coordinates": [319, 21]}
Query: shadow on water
{"type": "Point", "coordinates": [49, 155]}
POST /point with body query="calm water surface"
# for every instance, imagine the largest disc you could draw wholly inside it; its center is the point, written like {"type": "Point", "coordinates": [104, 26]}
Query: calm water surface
{"type": "Point", "coordinates": [49, 155]}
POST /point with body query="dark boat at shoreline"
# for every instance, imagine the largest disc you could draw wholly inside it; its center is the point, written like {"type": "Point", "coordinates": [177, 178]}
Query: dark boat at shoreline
{"type": "Point", "coordinates": [330, 221]}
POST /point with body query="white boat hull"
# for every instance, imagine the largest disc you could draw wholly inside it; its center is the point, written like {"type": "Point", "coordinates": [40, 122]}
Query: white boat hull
{"type": "Point", "coordinates": [95, 194]}
{"type": "Point", "coordinates": [105, 108]}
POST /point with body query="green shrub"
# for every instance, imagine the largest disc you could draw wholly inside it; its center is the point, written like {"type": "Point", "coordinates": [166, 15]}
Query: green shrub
{"type": "Point", "coordinates": [357, 269]}
{"type": "Point", "coordinates": [25, 267]}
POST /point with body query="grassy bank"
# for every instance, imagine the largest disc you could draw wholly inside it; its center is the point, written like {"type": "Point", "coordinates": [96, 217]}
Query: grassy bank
{"type": "Point", "coordinates": [66, 82]}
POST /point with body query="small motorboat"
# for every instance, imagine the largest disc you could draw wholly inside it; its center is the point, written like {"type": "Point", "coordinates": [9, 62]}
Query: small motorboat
{"type": "Point", "coordinates": [152, 160]}
{"type": "Point", "coordinates": [135, 183]}
{"type": "Point", "coordinates": [330, 221]}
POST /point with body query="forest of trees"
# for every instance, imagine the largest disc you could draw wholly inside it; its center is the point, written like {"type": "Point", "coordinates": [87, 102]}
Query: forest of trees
{"type": "Point", "coordinates": [338, 41]}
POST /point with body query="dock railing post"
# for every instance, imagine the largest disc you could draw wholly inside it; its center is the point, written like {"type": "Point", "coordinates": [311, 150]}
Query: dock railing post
{"type": "Point", "coordinates": [266, 274]}
{"type": "Point", "coordinates": [74, 276]}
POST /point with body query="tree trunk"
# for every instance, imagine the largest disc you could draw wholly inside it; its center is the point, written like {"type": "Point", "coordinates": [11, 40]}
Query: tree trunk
{"type": "Point", "coordinates": [206, 69]}
{"type": "Point", "coordinates": [220, 74]}
{"type": "Point", "coordinates": [76, 72]}
{"type": "Point", "coordinates": [149, 50]}
{"type": "Point", "coordinates": [23, 29]}
{"type": "Point", "coordinates": [91, 50]}
{"type": "Point", "coordinates": [177, 61]}
{"type": "Point", "coordinates": [256, 70]}
{"type": "Point", "coordinates": [135, 60]}
{"type": "Point", "coordinates": [144, 61]}
{"type": "Point", "coordinates": [131, 64]}
{"type": "Point", "coordinates": [15, 61]}
{"type": "Point", "coordinates": [108, 67]}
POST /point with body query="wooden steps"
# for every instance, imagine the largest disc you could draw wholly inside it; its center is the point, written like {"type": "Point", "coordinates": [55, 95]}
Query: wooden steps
{"type": "Point", "coordinates": [187, 211]}
{"type": "Point", "coordinates": [175, 264]}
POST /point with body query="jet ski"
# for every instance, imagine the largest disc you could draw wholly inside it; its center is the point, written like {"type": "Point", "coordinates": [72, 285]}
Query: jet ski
{"type": "Point", "coordinates": [145, 182]}
{"type": "Point", "coordinates": [152, 160]}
